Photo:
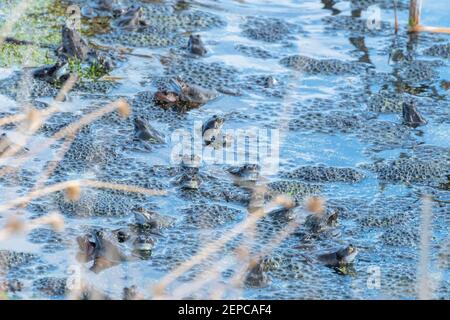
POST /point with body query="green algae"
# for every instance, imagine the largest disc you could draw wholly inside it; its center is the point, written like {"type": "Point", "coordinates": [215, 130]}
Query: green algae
{"type": "Point", "coordinates": [40, 25]}
{"type": "Point", "coordinates": [18, 55]}
{"type": "Point", "coordinates": [89, 71]}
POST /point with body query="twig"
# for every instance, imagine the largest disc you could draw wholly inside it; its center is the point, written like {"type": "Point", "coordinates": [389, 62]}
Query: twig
{"type": "Point", "coordinates": [18, 42]}
{"type": "Point", "coordinates": [38, 117]}
{"type": "Point", "coordinates": [82, 183]}
{"type": "Point", "coordinates": [120, 50]}
{"type": "Point", "coordinates": [70, 130]}
{"type": "Point", "coordinates": [420, 28]}
{"type": "Point", "coordinates": [415, 7]}
{"type": "Point", "coordinates": [395, 17]}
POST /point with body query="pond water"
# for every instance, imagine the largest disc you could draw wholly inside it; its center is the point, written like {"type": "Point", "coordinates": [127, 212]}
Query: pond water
{"type": "Point", "coordinates": [341, 109]}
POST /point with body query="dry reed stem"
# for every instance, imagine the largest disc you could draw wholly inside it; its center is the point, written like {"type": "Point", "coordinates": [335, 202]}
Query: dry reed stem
{"type": "Point", "coordinates": [186, 289]}
{"type": "Point", "coordinates": [415, 7]}
{"type": "Point", "coordinates": [53, 163]}
{"type": "Point", "coordinates": [67, 86]}
{"type": "Point", "coordinates": [420, 28]}
{"type": "Point", "coordinates": [73, 128]}
{"type": "Point", "coordinates": [207, 275]}
{"type": "Point", "coordinates": [315, 205]}
{"type": "Point", "coordinates": [43, 115]}
{"type": "Point", "coordinates": [82, 182]}
{"type": "Point", "coordinates": [13, 119]}
{"type": "Point", "coordinates": [15, 225]}
{"type": "Point", "coordinates": [70, 130]}
{"type": "Point", "coordinates": [396, 27]}
{"type": "Point", "coordinates": [237, 279]}
{"type": "Point", "coordinates": [213, 247]}
{"type": "Point", "coordinates": [249, 223]}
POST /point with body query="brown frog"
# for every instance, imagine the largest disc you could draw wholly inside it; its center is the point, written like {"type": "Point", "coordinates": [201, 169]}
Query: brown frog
{"type": "Point", "coordinates": [73, 45]}
{"type": "Point", "coordinates": [152, 220]}
{"type": "Point", "coordinates": [339, 258]}
{"type": "Point", "coordinates": [411, 116]}
{"type": "Point", "coordinates": [54, 72]}
{"type": "Point", "coordinates": [211, 129]}
{"type": "Point", "coordinates": [257, 275]}
{"type": "Point", "coordinates": [196, 46]}
{"type": "Point", "coordinates": [131, 20]}
{"type": "Point", "coordinates": [144, 132]}
{"type": "Point", "coordinates": [183, 96]}
{"type": "Point", "coordinates": [319, 222]}
{"type": "Point", "coordinates": [104, 252]}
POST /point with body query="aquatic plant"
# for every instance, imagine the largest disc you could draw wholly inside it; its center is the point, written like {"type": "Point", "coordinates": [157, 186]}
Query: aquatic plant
{"type": "Point", "coordinates": [87, 71]}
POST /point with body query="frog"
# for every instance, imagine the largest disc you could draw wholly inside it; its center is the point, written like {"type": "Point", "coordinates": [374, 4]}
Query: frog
{"type": "Point", "coordinates": [144, 132]}
{"type": "Point", "coordinates": [183, 96]}
{"type": "Point", "coordinates": [411, 116]}
{"type": "Point", "coordinates": [131, 19]}
{"type": "Point", "coordinates": [196, 46]}
{"type": "Point", "coordinates": [96, 247]}
{"type": "Point", "coordinates": [211, 129]}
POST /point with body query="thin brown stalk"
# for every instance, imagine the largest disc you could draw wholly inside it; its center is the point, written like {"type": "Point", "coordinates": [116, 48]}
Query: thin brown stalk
{"type": "Point", "coordinates": [14, 225]}
{"type": "Point", "coordinates": [38, 117]}
{"type": "Point", "coordinates": [54, 162]}
{"type": "Point", "coordinates": [395, 17]}
{"type": "Point", "coordinates": [83, 183]}
{"type": "Point", "coordinates": [208, 250]}
{"type": "Point", "coordinates": [420, 28]}
{"type": "Point", "coordinates": [69, 130]}
{"type": "Point", "coordinates": [247, 225]}
{"type": "Point", "coordinates": [415, 7]}
{"type": "Point", "coordinates": [68, 85]}
{"type": "Point", "coordinates": [238, 277]}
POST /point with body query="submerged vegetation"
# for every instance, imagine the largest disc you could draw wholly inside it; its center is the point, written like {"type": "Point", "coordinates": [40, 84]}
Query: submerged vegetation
{"type": "Point", "coordinates": [87, 71]}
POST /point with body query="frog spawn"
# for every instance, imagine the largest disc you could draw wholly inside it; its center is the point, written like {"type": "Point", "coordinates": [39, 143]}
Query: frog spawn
{"type": "Point", "coordinates": [356, 26]}
{"type": "Point", "coordinates": [254, 52]}
{"type": "Point", "coordinates": [167, 117]}
{"type": "Point", "coordinates": [321, 66]}
{"type": "Point", "coordinates": [162, 30]}
{"type": "Point", "coordinates": [213, 75]}
{"type": "Point", "coordinates": [19, 267]}
{"type": "Point", "coordinates": [439, 50]}
{"type": "Point", "coordinates": [411, 170]}
{"type": "Point", "coordinates": [268, 29]}
{"type": "Point", "coordinates": [209, 216]}
{"type": "Point", "coordinates": [323, 174]}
